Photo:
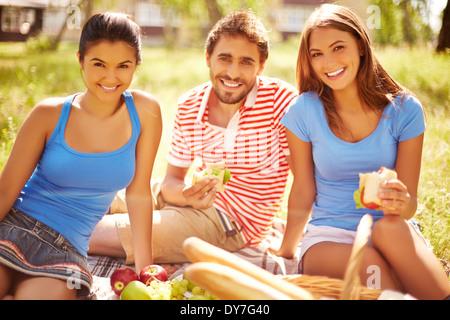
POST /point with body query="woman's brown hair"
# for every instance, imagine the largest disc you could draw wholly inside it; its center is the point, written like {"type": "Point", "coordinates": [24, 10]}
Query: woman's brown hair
{"type": "Point", "coordinates": [376, 87]}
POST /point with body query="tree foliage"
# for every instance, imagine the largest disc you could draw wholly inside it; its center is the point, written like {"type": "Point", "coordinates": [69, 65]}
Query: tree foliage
{"type": "Point", "coordinates": [206, 13]}
{"type": "Point", "coordinates": [403, 21]}
{"type": "Point", "coordinates": [199, 16]}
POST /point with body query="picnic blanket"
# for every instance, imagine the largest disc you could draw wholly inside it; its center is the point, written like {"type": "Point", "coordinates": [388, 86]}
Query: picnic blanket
{"type": "Point", "coordinates": [102, 267]}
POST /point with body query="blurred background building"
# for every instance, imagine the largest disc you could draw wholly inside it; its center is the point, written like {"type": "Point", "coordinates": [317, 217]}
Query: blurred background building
{"type": "Point", "coordinates": [21, 19]}
{"type": "Point", "coordinates": [169, 22]}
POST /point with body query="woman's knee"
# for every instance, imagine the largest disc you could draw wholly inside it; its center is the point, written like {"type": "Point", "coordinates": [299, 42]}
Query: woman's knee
{"type": "Point", "coordinates": [105, 240]}
{"type": "Point", "coordinates": [388, 229]}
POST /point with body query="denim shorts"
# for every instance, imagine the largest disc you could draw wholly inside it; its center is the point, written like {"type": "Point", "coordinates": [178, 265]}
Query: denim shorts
{"type": "Point", "coordinates": [28, 246]}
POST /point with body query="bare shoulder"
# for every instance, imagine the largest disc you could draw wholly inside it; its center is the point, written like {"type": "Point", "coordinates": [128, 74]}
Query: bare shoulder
{"type": "Point", "coordinates": [47, 111]}
{"type": "Point", "coordinates": [49, 105]}
{"type": "Point", "coordinates": [43, 118]}
{"type": "Point", "coordinates": [146, 104]}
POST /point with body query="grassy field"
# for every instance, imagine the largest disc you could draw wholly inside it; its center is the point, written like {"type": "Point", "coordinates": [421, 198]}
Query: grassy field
{"type": "Point", "coordinates": [26, 78]}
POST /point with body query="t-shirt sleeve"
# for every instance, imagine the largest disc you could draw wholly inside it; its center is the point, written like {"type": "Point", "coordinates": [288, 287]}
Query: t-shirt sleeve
{"type": "Point", "coordinates": [295, 119]}
{"type": "Point", "coordinates": [283, 98]}
{"type": "Point", "coordinates": [411, 119]}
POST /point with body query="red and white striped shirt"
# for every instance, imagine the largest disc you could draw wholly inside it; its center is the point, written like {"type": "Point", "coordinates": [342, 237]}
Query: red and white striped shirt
{"type": "Point", "coordinates": [253, 147]}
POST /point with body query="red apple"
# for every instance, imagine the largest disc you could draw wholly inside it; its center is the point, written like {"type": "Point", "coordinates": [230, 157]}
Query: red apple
{"type": "Point", "coordinates": [121, 277]}
{"type": "Point", "coordinates": [152, 272]}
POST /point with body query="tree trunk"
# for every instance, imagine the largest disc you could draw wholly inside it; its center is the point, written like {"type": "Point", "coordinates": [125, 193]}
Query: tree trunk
{"type": "Point", "coordinates": [215, 14]}
{"type": "Point", "coordinates": [444, 34]}
{"type": "Point", "coordinates": [407, 25]}
{"type": "Point", "coordinates": [56, 40]}
{"type": "Point", "coordinates": [169, 31]}
{"type": "Point", "coordinates": [88, 8]}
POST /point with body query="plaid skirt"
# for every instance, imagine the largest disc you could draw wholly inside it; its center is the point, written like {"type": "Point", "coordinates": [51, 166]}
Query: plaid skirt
{"type": "Point", "coordinates": [30, 247]}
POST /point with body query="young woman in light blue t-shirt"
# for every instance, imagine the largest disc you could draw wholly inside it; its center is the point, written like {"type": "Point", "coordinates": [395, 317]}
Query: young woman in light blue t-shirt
{"type": "Point", "coordinates": [351, 118]}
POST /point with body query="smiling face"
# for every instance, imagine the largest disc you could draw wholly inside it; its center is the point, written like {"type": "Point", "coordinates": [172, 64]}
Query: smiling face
{"type": "Point", "coordinates": [234, 65]}
{"type": "Point", "coordinates": [109, 69]}
{"type": "Point", "coordinates": [335, 57]}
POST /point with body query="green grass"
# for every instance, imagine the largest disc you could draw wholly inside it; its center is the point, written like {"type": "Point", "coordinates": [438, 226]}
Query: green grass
{"type": "Point", "coordinates": [426, 74]}
{"type": "Point", "coordinates": [28, 78]}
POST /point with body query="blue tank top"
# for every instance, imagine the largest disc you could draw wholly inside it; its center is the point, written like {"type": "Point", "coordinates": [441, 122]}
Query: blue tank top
{"type": "Point", "coordinates": [70, 191]}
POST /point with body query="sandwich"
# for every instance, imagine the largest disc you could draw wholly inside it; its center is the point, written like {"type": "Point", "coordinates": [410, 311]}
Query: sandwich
{"type": "Point", "coordinates": [369, 187]}
{"type": "Point", "coordinates": [216, 171]}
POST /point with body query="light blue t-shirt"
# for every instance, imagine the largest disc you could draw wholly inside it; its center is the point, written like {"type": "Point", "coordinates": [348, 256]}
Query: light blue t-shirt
{"type": "Point", "coordinates": [70, 191]}
{"type": "Point", "coordinates": [337, 163]}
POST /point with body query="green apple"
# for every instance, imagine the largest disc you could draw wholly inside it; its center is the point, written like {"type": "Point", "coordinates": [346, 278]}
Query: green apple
{"type": "Point", "coordinates": [135, 290]}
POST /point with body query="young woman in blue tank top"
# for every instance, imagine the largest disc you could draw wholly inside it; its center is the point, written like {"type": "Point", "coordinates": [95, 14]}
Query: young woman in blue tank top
{"type": "Point", "coordinates": [70, 158]}
{"type": "Point", "coordinates": [351, 118]}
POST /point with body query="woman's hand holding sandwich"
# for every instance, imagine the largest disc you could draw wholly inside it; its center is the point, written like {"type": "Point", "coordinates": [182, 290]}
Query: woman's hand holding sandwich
{"type": "Point", "coordinates": [383, 191]}
{"type": "Point", "coordinates": [394, 197]}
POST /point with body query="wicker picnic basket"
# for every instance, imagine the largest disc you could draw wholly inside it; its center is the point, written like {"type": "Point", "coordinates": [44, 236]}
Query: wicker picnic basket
{"type": "Point", "coordinates": [350, 288]}
{"type": "Point", "coordinates": [329, 288]}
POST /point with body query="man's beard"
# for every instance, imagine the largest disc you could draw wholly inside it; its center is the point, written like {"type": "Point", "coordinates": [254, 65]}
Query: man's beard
{"type": "Point", "coordinates": [231, 97]}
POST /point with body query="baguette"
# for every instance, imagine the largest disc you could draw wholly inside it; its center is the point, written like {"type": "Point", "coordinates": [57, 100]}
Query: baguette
{"type": "Point", "coordinates": [230, 284]}
{"type": "Point", "coordinates": [198, 250]}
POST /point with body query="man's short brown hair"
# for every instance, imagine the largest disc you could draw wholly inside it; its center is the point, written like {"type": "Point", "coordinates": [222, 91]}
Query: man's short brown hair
{"type": "Point", "coordinates": [240, 23]}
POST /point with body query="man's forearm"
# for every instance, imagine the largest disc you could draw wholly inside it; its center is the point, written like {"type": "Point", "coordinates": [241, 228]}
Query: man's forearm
{"type": "Point", "coordinates": [172, 192]}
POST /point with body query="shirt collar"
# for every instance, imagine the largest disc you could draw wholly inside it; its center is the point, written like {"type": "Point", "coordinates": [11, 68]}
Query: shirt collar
{"type": "Point", "coordinates": [249, 101]}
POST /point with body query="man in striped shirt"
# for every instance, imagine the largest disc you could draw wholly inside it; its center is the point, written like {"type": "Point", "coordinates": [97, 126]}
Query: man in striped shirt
{"type": "Point", "coordinates": [235, 119]}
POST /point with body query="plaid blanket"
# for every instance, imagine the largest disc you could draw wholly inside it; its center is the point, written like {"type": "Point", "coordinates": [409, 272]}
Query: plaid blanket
{"type": "Point", "coordinates": [102, 267]}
